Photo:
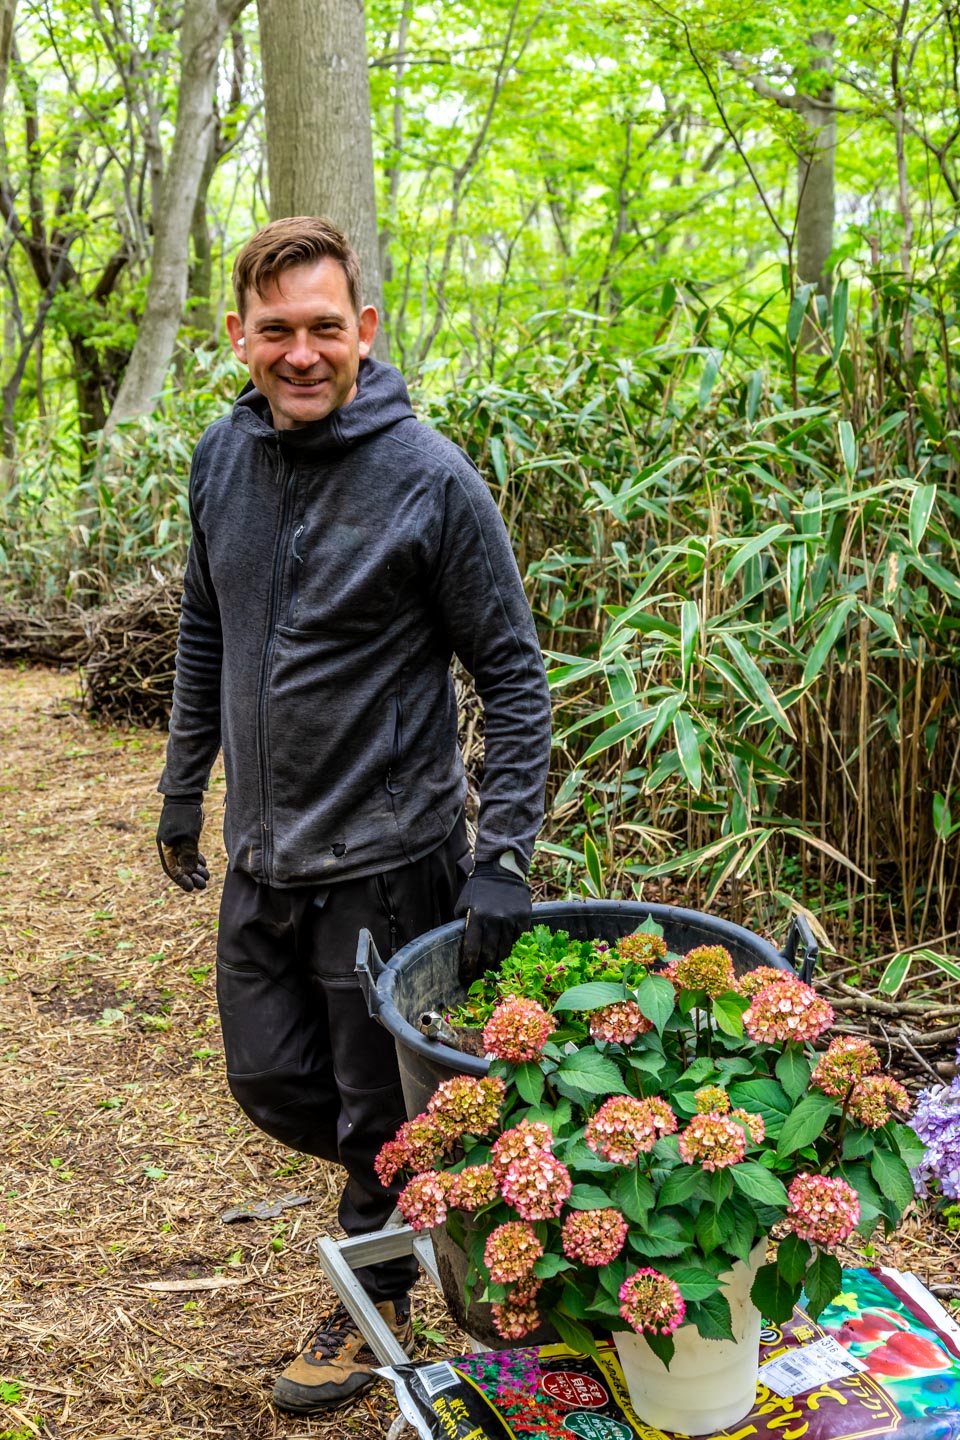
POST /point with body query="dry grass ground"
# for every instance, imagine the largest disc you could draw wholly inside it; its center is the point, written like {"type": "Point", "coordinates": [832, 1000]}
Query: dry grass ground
{"type": "Point", "coordinates": [120, 1147]}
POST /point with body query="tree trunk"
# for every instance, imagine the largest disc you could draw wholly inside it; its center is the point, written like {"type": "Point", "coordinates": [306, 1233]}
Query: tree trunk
{"type": "Point", "coordinates": [815, 171]}
{"type": "Point", "coordinates": [200, 274]}
{"type": "Point", "coordinates": [91, 411]}
{"type": "Point", "coordinates": [317, 105]}
{"type": "Point", "coordinates": [205, 24]}
{"type": "Point", "coordinates": [8, 10]}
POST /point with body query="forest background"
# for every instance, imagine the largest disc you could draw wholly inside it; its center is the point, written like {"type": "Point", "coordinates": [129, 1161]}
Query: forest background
{"type": "Point", "coordinates": [682, 279]}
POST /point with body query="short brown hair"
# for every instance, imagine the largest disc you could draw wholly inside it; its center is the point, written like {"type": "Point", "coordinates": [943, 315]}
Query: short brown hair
{"type": "Point", "coordinates": [284, 244]}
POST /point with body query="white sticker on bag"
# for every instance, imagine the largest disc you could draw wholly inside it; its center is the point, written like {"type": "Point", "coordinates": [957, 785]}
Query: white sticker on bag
{"type": "Point", "coordinates": [808, 1365]}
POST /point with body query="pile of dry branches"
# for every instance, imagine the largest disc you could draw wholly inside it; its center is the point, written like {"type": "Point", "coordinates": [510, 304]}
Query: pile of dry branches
{"type": "Point", "coordinates": [125, 649]}
{"type": "Point", "coordinates": [53, 639]}
{"type": "Point", "coordinates": [916, 1032]}
{"type": "Point", "coordinates": [127, 672]}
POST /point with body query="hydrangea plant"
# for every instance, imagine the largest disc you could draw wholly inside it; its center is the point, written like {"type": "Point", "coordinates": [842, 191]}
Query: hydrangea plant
{"type": "Point", "coordinates": [541, 966]}
{"type": "Point", "coordinates": [638, 1137]}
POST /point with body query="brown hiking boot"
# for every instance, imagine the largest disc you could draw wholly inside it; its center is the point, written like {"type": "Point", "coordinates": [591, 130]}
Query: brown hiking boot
{"type": "Point", "coordinates": [336, 1363]}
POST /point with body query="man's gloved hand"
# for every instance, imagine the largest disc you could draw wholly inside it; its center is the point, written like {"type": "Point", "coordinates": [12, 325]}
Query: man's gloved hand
{"type": "Point", "coordinates": [496, 903]}
{"type": "Point", "coordinates": [181, 821]}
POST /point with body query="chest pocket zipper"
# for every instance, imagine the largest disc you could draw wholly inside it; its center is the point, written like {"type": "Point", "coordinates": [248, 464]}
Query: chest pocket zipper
{"type": "Point", "coordinates": [295, 583]}
{"type": "Point", "coordinates": [396, 747]}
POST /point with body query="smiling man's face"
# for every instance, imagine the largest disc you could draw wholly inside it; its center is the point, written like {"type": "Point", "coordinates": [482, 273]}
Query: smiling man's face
{"type": "Point", "coordinates": [302, 342]}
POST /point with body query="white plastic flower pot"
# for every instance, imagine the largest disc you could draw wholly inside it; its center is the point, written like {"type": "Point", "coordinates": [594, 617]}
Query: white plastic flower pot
{"type": "Point", "coordinates": [711, 1384]}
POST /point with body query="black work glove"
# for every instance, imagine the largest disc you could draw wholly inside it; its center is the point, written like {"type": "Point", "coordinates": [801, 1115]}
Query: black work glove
{"type": "Point", "coordinates": [181, 821]}
{"type": "Point", "coordinates": [496, 903]}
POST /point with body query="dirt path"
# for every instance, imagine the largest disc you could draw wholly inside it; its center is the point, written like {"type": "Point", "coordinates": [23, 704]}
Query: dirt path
{"type": "Point", "coordinates": [120, 1145]}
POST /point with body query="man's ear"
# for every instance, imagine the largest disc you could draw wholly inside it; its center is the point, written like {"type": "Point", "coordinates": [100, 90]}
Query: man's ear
{"type": "Point", "coordinates": [368, 330]}
{"type": "Point", "coordinates": [235, 331]}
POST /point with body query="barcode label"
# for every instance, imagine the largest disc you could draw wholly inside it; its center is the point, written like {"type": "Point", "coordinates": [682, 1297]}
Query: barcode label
{"type": "Point", "coordinates": [810, 1365]}
{"type": "Point", "coordinates": [435, 1378]}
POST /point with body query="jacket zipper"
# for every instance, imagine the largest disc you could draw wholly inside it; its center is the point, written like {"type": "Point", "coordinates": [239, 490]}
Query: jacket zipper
{"type": "Point", "coordinates": [285, 479]}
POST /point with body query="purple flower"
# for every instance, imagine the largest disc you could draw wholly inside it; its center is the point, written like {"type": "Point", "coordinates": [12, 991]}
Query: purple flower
{"type": "Point", "coordinates": [937, 1123]}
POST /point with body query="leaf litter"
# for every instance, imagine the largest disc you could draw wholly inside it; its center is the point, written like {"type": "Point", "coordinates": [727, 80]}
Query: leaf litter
{"type": "Point", "coordinates": [128, 1308]}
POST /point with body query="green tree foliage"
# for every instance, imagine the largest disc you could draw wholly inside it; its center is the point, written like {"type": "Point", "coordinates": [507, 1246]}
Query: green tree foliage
{"type": "Point", "coordinates": [730, 476]}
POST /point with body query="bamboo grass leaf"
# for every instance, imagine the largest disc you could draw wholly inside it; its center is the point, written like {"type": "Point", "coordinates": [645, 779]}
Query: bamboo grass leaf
{"type": "Point", "coordinates": [591, 858]}
{"type": "Point", "coordinates": [798, 307]}
{"type": "Point", "coordinates": [758, 683]}
{"type": "Point", "coordinates": [796, 580]}
{"type": "Point", "coordinates": [666, 710]}
{"type": "Point", "coordinates": [883, 621]}
{"type": "Point", "coordinates": [710, 372]}
{"type": "Point", "coordinates": [617, 733]}
{"type": "Point", "coordinates": [895, 973]}
{"type": "Point", "coordinates": [936, 574]}
{"type": "Point", "coordinates": [752, 547]}
{"type": "Point", "coordinates": [848, 447]}
{"type": "Point", "coordinates": [689, 750]}
{"type": "Point", "coordinates": [828, 849]}
{"type": "Point", "coordinates": [949, 967]}
{"type": "Point", "coordinates": [689, 634]}
{"type": "Point", "coordinates": [921, 508]}
{"type": "Point", "coordinates": [827, 639]}
{"type": "Point", "coordinates": [841, 296]}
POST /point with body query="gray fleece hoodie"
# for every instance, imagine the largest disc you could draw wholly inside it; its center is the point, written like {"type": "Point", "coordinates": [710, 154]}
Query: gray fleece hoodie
{"type": "Point", "coordinates": [333, 571]}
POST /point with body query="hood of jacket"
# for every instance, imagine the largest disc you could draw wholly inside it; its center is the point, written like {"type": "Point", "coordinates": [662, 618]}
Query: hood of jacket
{"type": "Point", "coordinates": [380, 402]}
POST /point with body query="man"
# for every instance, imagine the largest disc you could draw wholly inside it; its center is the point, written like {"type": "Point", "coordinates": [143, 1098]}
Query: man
{"type": "Point", "coordinates": [341, 553]}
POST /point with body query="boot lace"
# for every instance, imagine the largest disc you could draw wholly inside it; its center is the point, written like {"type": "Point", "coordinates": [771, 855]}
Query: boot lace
{"type": "Point", "coordinates": [334, 1330]}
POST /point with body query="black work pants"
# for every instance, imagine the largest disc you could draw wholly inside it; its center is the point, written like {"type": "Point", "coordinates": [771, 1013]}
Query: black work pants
{"type": "Point", "coordinates": [304, 1060]}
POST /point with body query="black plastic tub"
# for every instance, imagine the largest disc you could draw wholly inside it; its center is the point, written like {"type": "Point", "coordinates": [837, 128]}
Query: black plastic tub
{"type": "Point", "coordinates": [423, 975]}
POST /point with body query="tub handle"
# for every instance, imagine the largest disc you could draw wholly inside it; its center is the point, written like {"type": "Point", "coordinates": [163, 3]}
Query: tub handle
{"type": "Point", "coordinates": [368, 970]}
{"type": "Point", "coordinates": [802, 945]}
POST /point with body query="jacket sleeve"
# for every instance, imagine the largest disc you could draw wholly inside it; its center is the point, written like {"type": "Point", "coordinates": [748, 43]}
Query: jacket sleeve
{"type": "Point", "coordinates": [485, 613]}
{"type": "Point", "coordinates": [194, 738]}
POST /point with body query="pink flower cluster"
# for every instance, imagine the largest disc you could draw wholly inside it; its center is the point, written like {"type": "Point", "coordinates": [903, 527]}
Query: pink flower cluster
{"type": "Point", "coordinates": [417, 1145]}
{"type": "Point", "coordinates": [846, 1060]}
{"type": "Point", "coordinates": [623, 1127]}
{"type": "Point", "coordinates": [529, 1137]}
{"type": "Point", "coordinates": [712, 1097]}
{"type": "Point", "coordinates": [714, 1141]}
{"type": "Point", "coordinates": [707, 967]}
{"type": "Point", "coordinates": [875, 1098]}
{"type": "Point", "coordinates": [619, 1023]}
{"type": "Point", "coordinates": [511, 1251]}
{"type": "Point", "coordinates": [822, 1208]}
{"type": "Point", "coordinates": [536, 1185]}
{"type": "Point", "coordinates": [847, 1069]}
{"type": "Point", "coordinates": [518, 1314]}
{"type": "Point", "coordinates": [472, 1106]}
{"type": "Point", "coordinates": [787, 1009]}
{"type": "Point", "coordinates": [756, 1128]}
{"type": "Point", "coordinates": [517, 1030]}
{"type": "Point", "coordinates": [650, 1301]}
{"type": "Point", "coordinates": [642, 948]}
{"type": "Point", "coordinates": [423, 1201]}
{"type": "Point", "coordinates": [594, 1236]}
{"type": "Point", "coordinates": [753, 980]}
{"type": "Point", "coordinates": [472, 1188]}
